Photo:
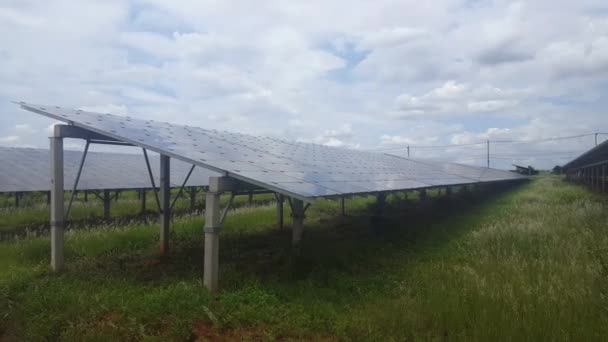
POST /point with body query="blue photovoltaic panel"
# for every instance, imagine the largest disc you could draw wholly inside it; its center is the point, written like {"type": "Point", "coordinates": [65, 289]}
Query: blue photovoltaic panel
{"type": "Point", "coordinates": [28, 169]}
{"type": "Point", "coordinates": [301, 170]}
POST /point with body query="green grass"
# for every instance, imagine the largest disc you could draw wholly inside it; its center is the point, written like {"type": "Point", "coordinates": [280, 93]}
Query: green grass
{"type": "Point", "coordinates": [33, 213]}
{"type": "Point", "coordinates": [529, 264]}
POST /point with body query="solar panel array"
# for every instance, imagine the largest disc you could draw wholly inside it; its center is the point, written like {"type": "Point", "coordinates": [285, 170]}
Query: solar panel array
{"type": "Point", "coordinates": [302, 170]}
{"type": "Point", "coordinates": [480, 174]}
{"type": "Point", "coordinates": [28, 169]}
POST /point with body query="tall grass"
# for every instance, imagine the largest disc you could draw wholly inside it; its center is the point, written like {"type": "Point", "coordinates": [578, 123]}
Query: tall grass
{"type": "Point", "coordinates": [531, 264]}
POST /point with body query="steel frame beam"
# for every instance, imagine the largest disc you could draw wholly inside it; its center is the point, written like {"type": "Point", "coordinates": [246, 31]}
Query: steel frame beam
{"type": "Point", "coordinates": [181, 189]}
{"type": "Point", "coordinates": [151, 178]}
{"type": "Point", "coordinates": [82, 160]}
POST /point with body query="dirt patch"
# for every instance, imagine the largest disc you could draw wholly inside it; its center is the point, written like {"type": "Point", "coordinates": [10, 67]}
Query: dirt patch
{"type": "Point", "coordinates": [205, 331]}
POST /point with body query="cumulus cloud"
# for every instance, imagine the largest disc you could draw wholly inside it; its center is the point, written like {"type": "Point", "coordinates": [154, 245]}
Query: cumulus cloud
{"type": "Point", "coordinates": [453, 98]}
{"type": "Point", "coordinates": [297, 70]}
{"type": "Point", "coordinates": [11, 139]}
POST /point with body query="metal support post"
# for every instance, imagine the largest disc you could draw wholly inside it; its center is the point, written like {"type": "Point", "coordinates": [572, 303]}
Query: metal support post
{"type": "Point", "coordinates": [143, 200]}
{"type": "Point", "coordinates": [17, 199]}
{"type": "Point", "coordinates": [48, 198]}
{"type": "Point", "coordinates": [106, 203]}
{"type": "Point", "coordinates": [604, 178]}
{"type": "Point", "coordinates": [280, 203]}
{"type": "Point", "coordinates": [86, 195]}
{"type": "Point", "coordinates": [213, 225]}
{"type": "Point", "coordinates": [297, 220]}
{"type": "Point", "coordinates": [57, 204]}
{"type": "Point", "coordinates": [250, 199]}
{"type": "Point", "coordinates": [165, 193]}
{"type": "Point", "coordinates": [376, 220]}
{"type": "Point", "coordinates": [342, 211]}
{"type": "Point", "coordinates": [488, 151]}
{"type": "Point", "coordinates": [595, 178]}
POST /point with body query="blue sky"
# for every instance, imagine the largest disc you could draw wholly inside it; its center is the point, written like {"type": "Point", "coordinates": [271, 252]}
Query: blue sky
{"type": "Point", "coordinates": [355, 74]}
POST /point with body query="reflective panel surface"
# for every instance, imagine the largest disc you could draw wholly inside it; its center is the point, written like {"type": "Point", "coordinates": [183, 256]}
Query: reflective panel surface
{"type": "Point", "coordinates": [302, 170]}
{"type": "Point", "coordinates": [28, 169]}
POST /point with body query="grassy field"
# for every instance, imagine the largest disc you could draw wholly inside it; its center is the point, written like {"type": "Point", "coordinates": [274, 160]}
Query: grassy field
{"type": "Point", "coordinates": [32, 217]}
{"type": "Point", "coordinates": [527, 264]}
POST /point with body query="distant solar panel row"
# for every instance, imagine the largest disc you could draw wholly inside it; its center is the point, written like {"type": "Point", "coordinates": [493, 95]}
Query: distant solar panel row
{"type": "Point", "coordinates": [28, 169]}
{"type": "Point", "coordinates": [302, 170]}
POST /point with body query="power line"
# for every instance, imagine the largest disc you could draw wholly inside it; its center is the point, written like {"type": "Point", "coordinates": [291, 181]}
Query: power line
{"type": "Point", "coordinates": [491, 141]}
{"type": "Point", "coordinates": [423, 146]}
{"type": "Point", "coordinates": [543, 140]}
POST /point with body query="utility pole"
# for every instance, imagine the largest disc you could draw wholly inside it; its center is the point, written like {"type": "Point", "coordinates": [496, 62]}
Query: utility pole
{"type": "Point", "coordinates": [408, 147]}
{"type": "Point", "coordinates": [596, 139]}
{"type": "Point", "coordinates": [488, 150]}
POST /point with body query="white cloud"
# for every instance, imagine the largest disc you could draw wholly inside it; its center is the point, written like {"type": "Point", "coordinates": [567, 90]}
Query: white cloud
{"type": "Point", "coordinates": [24, 128]}
{"type": "Point", "coordinates": [298, 70]}
{"type": "Point", "coordinates": [11, 139]}
{"type": "Point", "coordinates": [453, 98]}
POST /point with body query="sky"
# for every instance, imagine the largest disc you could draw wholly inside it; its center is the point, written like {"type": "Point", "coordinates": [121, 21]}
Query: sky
{"type": "Point", "coordinates": [371, 75]}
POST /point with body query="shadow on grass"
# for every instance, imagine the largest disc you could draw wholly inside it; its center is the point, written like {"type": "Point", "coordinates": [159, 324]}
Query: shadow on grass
{"type": "Point", "coordinates": [359, 246]}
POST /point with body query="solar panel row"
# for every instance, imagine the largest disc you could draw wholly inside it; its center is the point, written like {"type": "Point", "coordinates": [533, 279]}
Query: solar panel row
{"type": "Point", "coordinates": [28, 169]}
{"type": "Point", "coordinates": [302, 170]}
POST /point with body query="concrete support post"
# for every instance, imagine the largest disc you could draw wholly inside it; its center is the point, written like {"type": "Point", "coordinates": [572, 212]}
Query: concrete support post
{"type": "Point", "coordinates": [212, 241]}
{"type": "Point", "coordinates": [142, 197]}
{"type": "Point", "coordinates": [213, 226]}
{"type": "Point", "coordinates": [297, 221]}
{"type": "Point", "coordinates": [106, 204]}
{"type": "Point", "coordinates": [57, 201]}
{"type": "Point", "coordinates": [280, 216]}
{"type": "Point", "coordinates": [342, 211]}
{"type": "Point", "coordinates": [165, 201]}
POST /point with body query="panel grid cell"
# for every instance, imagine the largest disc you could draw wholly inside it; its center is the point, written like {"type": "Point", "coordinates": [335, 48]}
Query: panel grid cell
{"type": "Point", "coordinates": [28, 169]}
{"type": "Point", "coordinates": [312, 170]}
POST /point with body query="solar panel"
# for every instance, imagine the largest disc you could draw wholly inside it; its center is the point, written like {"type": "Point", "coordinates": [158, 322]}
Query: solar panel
{"type": "Point", "coordinates": [28, 169]}
{"type": "Point", "coordinates": [301, 170]}
{"type": "Point", "coordinates": [480, 174]}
